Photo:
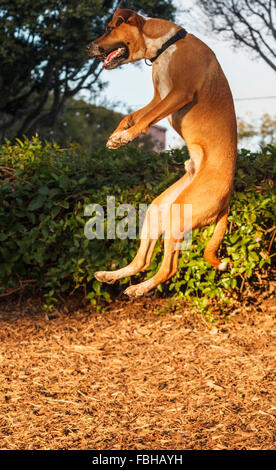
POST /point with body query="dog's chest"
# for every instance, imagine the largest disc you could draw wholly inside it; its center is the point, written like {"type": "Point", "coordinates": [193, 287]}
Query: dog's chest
{"type": "Point", "coordinates": [160, 73]}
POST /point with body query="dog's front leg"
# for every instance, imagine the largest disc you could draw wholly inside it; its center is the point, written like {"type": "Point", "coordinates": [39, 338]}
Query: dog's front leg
{"type": "Point", "coordinates": [125, 123]}
{"type": "Point", "coordinates": [116, 139]}
{"type": "Point", "coordinates": [173, 102]}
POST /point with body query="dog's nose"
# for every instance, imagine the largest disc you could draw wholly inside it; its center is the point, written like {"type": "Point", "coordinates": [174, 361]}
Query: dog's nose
{"type": "Point", "coordinates": [89, 49]}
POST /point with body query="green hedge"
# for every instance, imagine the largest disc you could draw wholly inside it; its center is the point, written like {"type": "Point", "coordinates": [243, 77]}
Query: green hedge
{"type": "Point", "coordinates": [44, 190]}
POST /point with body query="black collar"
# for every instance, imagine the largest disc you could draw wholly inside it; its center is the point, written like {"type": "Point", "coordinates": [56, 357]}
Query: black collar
{"type": "Point", "coordinates": [181, 34]}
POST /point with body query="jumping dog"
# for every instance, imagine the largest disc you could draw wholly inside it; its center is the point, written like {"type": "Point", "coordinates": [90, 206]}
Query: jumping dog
{"type": "Point", "coordinates": [190, 89]}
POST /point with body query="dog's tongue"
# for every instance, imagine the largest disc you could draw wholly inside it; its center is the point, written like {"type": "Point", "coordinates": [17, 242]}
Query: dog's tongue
{"type": "Point", "coordinates": [109, 57]}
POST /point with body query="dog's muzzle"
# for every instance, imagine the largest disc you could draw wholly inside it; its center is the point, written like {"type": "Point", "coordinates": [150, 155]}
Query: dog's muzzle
{"type": "Point", "coordinates": [112, 57]}
{"type": "Point", "coordinates": [93, 50]}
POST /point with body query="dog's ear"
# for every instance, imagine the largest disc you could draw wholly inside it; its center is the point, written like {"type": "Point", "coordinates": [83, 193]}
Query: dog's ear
{"type": "Point", "coordinates": [129, 17]}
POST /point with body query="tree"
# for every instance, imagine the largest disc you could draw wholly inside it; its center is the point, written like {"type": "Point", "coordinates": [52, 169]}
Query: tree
{"type": "Point", "coordinates": [42, 54]}
{"type": "Point", "coordinates": [87, 125]}
{"type": "Point", "coordinates": [249, 23]}
{"type": "Point", "coordinates": [263, 130]}
{"type": "Point", "coordinates": [82, 123]}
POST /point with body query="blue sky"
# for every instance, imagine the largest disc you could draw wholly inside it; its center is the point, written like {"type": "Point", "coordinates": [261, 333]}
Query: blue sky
{"type": "Point", "coordinates": [131, 86]}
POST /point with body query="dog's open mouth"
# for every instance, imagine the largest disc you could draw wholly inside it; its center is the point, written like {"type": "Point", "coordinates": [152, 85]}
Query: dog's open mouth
{"type": "Point", "coordinates": [114, 58]}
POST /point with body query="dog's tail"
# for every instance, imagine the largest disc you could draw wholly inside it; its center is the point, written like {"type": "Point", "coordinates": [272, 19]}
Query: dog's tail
{"type": "Point", "coordinates": [215, 241]}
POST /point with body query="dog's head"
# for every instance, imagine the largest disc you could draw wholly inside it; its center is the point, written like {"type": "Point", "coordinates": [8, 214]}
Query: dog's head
{"type": "Point", "coordinates": [122, 41]}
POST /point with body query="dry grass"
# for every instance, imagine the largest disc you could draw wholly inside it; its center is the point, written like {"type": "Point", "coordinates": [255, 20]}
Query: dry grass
{"type": "Point", "coordinates": [130, 379]}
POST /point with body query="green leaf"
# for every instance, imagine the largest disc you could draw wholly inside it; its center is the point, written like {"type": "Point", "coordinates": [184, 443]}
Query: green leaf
{"type": "Point", "coordinates": [35, 203]}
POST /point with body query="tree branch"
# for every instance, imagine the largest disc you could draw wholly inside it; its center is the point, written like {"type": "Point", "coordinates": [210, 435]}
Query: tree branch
{"type": "Point", "coordinates": [241, 19]}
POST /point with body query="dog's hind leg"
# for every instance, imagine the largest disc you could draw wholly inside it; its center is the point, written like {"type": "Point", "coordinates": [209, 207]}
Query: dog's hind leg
{"type": "Point", "coordinates": [150, 233]}
{"type": "Point", "coordinates": [153, 226]}
{"type": "Point", "coordinates": [178, 225]}
{"type": "Point", "coordinates": [167, 270]}
{"type": "Point", "coordinates": [139, 263]}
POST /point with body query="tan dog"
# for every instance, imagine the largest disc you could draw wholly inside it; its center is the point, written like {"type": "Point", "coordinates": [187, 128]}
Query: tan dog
{"type": "Point", "coordinates": [190, 89]}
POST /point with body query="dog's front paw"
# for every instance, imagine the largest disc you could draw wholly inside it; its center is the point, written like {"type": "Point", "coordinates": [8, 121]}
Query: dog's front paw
{"type": "Point", "coordinates": [113, 142]}
{"type": "Point", "coordinates": [117, 139]}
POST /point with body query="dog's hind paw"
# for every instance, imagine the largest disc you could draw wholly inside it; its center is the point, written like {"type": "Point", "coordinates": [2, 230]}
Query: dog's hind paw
{"type": "Point", "coordinates": [139, 289]}
{"type": "Point", "coordinates": [133, 291]}
{"type": "Point", "coordinates": [104, 276]}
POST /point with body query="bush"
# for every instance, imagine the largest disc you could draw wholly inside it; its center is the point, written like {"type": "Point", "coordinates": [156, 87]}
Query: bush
{"type": "Point", "coordinates": [44, 190]}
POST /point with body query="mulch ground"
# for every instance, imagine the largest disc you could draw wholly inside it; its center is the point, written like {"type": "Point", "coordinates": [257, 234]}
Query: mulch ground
{"type": "Point", "coordinates": [132, 378]}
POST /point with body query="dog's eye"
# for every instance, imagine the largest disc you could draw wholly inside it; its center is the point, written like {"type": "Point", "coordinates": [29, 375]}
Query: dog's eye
{"type": "Point", "coordinates": [108, 30]}
{"type": "Point", "coordinates": [120, 21]}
